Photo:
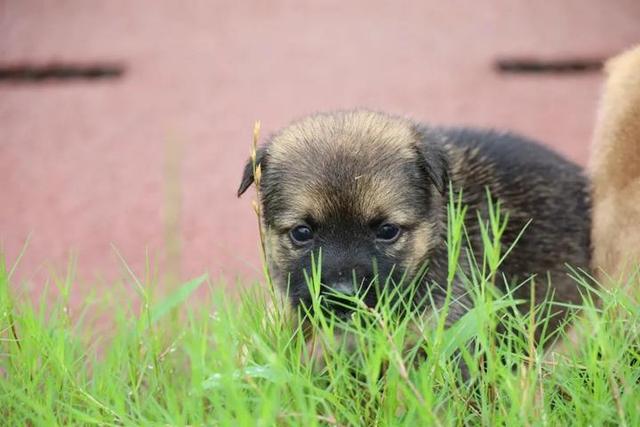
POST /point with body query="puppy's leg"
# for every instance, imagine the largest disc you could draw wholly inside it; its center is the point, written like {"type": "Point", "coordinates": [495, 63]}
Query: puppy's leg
{"type": "Point", "coordinates": [615, 172]}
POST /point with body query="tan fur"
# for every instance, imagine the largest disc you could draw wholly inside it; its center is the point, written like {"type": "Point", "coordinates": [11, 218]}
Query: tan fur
{"type": "Point", "coordinates": [615, 172]}
{"type": "Point", "coordinates": [423, 242]}
{"type": "Point", "coordinates": [374, 137]}
{"type": "Point", "coordinates": [372, 191]}
{"type": "Point", "coordinates": [358, 130]}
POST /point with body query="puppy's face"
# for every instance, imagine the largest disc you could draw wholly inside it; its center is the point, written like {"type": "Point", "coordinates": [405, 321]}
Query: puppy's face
{"type": "Point", "coordinates": [360, 188]}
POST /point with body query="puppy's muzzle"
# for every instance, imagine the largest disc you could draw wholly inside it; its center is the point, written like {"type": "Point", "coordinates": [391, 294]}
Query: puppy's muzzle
{"type": "Point", "coordinates": [339, 297]}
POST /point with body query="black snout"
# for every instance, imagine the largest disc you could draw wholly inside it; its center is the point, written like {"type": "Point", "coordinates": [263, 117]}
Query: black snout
{"type": "Point", "coordinates": [341, 287]}
{"type": "Point", "coordinates": [349, 273]}
{"type": "Point", "coordinates": [340, 298]}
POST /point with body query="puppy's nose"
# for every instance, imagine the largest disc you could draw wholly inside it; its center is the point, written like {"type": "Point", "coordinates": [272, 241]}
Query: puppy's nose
{"type": "Point", "coordinates": [338, 300]}
{"type": "Point", "coordinates": [344, 287]}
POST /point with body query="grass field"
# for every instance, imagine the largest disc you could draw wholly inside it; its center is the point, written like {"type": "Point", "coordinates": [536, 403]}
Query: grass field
{"type": "Point", "coordinates": [240, 361]}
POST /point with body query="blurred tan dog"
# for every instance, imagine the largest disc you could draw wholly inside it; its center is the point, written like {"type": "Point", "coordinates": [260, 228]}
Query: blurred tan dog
{"type": "Point", "coordinates": [615, 172]}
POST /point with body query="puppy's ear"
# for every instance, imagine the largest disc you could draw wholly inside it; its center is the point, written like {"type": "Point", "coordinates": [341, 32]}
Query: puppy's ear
{"type": "Point", "coordinates": [433, 159]}
{"type": "Point", "coordinates": [247, 175]}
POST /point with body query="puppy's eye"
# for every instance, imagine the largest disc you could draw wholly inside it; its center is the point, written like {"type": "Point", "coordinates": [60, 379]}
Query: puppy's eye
{"type": "Point", "coordinates": [388, 232]}
{"type": "Point", "coordinates": [301, 234]}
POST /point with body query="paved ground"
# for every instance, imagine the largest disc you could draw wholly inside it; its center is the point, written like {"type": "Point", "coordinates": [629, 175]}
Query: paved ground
{"type": "Point", "coordinates": [89, 165]}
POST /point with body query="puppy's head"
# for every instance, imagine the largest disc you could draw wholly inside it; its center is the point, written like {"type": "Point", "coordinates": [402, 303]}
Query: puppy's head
{"type": "Point", "coordinates": [360, 187]}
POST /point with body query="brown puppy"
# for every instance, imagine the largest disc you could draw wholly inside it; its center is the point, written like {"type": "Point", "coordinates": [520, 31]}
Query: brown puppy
{"type": "Point", "coordinates": [371, 190]}
{"type": "Point", "coordinates": [615, 171]}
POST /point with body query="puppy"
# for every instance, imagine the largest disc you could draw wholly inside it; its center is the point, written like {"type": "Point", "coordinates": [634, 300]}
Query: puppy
{"type": "Point", "coordinates": [615, 172]}
{"type": "Point", "coordinates": [371, 191]}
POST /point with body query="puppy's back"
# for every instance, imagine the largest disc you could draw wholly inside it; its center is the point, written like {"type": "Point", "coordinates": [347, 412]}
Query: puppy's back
{"type": "Point", "coordinates": [615, 171]}
{"type": "Point", "coordinates": [544, 194]}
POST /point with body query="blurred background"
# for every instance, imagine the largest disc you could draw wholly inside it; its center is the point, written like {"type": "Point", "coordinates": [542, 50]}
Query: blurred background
{"type": "Point", "coordinates": [124, 125]}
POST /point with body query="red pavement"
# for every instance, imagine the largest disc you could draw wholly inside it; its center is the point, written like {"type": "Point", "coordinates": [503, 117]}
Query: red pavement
{"type": "Point", "coordinates": [83, 165]}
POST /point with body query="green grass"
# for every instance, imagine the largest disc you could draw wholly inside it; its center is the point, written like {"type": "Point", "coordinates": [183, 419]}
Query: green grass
{"type": "Point", "coordinates": [242, 361]}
